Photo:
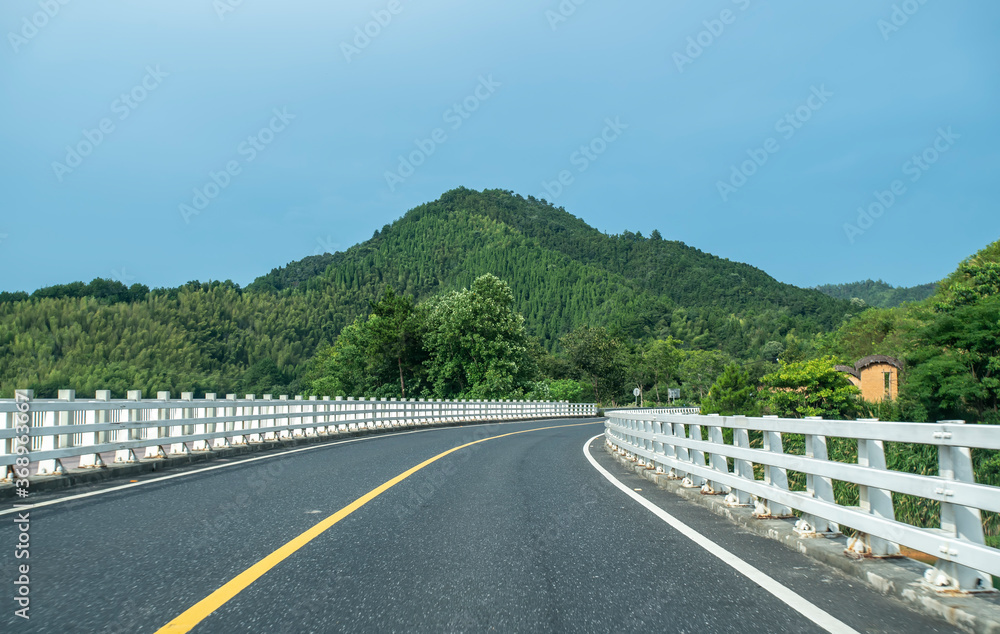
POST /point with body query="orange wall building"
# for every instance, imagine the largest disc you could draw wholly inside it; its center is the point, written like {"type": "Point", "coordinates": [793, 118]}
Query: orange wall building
{"type": "Point", "coordinates": [877, 377]}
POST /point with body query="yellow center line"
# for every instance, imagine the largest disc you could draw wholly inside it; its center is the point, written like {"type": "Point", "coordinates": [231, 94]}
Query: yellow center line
{"type": "Point", "coordinates": [199, 611]}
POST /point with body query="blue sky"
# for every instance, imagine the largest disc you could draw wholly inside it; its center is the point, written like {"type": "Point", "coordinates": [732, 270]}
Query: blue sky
{"type": "Point", "coordinates": [753, 130]}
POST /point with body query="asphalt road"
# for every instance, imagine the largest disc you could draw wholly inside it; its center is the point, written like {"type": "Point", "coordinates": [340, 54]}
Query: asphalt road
{"type": "Point", "coordinates": [516, 534]}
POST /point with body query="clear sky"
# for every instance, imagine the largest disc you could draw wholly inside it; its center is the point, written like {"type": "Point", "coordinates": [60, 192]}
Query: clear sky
{"type": "Point", "coordinates": [750, 129]}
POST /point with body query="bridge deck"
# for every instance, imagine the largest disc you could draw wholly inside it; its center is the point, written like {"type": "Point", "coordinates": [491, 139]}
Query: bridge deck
{"type": "Point", "coordinates": [519, 533]}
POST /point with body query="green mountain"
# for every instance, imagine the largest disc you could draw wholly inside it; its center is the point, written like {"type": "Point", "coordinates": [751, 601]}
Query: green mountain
{"type": "Point", "coordinates": [564, 273]}
{"type": "Point", "coordinates": [878, 294]}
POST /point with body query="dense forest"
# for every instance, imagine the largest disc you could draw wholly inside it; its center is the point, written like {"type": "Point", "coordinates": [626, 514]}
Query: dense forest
{"type": "Point", "coordinates": [563, 274]}
{"type": "Point", "coordinates": [878, 294]}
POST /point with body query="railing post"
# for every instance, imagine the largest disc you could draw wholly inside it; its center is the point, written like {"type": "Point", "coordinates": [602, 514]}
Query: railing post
{"type": "Point", "coordinates": [105, 417]}
{"type": "Point", "coordinates": [180, 431]}
{"type": "Point", "coordinates": [776, 477]}
{"type": "Point", "coordinates": [230, 424]}
{"type": "Point", "coordinates": [742, 468]}
{"type": "Point", "coordinates": [659, 447]}
{"type": "Point", "coordinates": [300, 408]}
{"type": "Point", "coordinates": [349, 413]}
{"type": "Point", "coordinates": [314, 407]}
{"type": "Point", "coordinates": [718, 461]}
{"type": "Point", "coordinates": [390, 414]}
{"type": "Point", "coordinates": [878, 502]}
{"type": "Point", "coordinates": [98, 417]}
{"type": "Point", "coordinates": [205, 428]}
{"type": "Point", "coordinates": [383, 412]}
{"type": "Point", "coordinates": [679, 454]}
{"type": "Point", "coordinates": [267, 425]}
{"type": "Point", "coordinates": [241, 424]}
{"type": "Point", "coordinates": [283, 408]}
{"type": "Point", "coordinates": [694, 481]}
{"type": "Point", "coordinates": [63, 418]}
{"type": "Point", "coordinates": [159, 431]}
{"type": "Point", "coordinates": [958, 523]}
{"type": "Point", "coordinates": [643, 426]}
{"type": "Point", "coordinates": [254, 425]}
{"type": "Point", "coordinates": [132, 416]}
{"type": "Point", "coordinates": [338, 416]}
{"type": "Point", "coordinates": [819, 487]}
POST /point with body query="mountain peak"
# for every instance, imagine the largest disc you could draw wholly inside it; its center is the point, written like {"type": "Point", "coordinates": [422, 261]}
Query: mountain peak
{"type": "Point", "coordinates": [563, 271]}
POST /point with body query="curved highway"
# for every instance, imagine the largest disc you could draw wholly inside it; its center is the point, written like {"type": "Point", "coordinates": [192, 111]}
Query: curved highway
{"type": "Point", "coordinates": [516, 531]}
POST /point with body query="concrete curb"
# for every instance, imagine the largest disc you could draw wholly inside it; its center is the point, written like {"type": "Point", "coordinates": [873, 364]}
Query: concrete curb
{"type": "Point", "coordinates": [91, 475]}
{"type": "Point", "coordinates": [901, 578]}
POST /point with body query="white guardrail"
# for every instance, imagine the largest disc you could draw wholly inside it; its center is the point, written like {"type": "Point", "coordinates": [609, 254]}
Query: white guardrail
{"type": "Point", "coordinates": [67, 427]}
{"type": "Point", "coordinates": [675, 444]}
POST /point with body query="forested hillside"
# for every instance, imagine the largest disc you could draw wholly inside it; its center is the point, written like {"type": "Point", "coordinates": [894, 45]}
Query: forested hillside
{"type": "Point", "coordinates": [878, 294]}
{"type": "Point", "coordinates": [563, 274]}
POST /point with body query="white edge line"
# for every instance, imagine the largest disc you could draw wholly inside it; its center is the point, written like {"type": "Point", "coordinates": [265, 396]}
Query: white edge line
{"type": "Point", "coordinates": [322, 445]}
{"type": "Point", "coordinates": [795, 601]}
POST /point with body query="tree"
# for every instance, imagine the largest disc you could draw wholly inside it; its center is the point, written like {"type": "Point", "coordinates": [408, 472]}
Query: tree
{"type": "Point", "coordinates": [955, 370]}
{"type": "Point", "coordinates": [772, 349]}
{"type": "Point", "coordinates": [978, 277]}
{"type": "Point", "coordinates": [381, 355]}
{"type": "Point", "coordinates": [600, 357]}
{"type": "Point", "coordinates": [810, 388]}
{"type": "Point", "coordinates": [570, 390]}
{"type": "Point", "coordinates": [477, 344]}
{"type": "Point", "coordinates": [263, 377]}
{"type": "Point", "coordinates": [394, 337]}
{"type": "Point", "coordinates": [342, 369]}
{"type": "Point", "coordinates": [700, 368]}
{"type": "Point", "coordinates": [733, 393]}
{"type": "Point", "coordinates": [663, 359]}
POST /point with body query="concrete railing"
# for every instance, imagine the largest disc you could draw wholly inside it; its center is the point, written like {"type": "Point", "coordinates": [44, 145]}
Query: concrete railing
{"type": "Point", "coordinates": [692, 448]}
{"type": "Point", "coordinates": [656, 410]}
{"type": "Point", "coordinates": [44, 432]}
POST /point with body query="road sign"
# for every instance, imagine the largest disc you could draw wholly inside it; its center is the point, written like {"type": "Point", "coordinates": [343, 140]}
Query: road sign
{"type": "Point", "coordinates": [636, 392]}
{"type": "Point", "coordinates": [674, 393]}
